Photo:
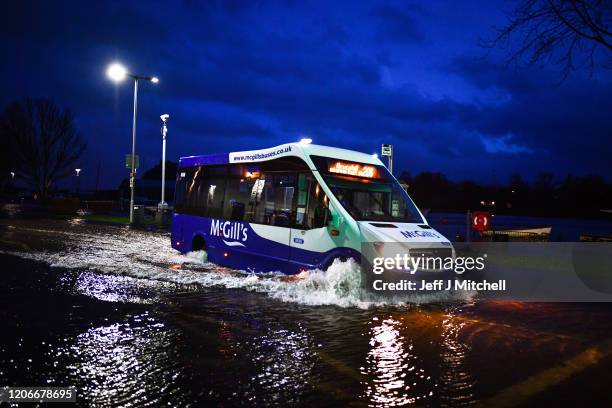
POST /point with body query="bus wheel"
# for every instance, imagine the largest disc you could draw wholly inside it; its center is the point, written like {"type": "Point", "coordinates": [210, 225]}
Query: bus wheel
{"type": "Point", "coordinates": [198, 244]}
{"type": "Point", "coordinates": [339, 258]}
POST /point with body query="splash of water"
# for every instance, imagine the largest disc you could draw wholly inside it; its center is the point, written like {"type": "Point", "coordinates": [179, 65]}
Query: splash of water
{"type": "Point", "coordinates": [149, 256]}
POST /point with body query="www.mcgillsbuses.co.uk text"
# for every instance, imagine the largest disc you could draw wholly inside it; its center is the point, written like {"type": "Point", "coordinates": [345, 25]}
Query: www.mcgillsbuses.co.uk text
{"type": "Point", "coordinates": [412, 264]}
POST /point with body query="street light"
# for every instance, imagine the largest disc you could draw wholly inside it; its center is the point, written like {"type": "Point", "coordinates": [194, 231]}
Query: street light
{"type": "Point", "coordinates": [117, 73]}
{"type": "Point", "coordinates": [78, 181]}
{"type": "Point", "coordinates": [162, 204]}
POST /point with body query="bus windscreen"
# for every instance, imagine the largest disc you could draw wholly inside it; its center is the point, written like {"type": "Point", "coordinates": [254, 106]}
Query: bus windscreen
{"type": "Point", "coordinates": [368, 192]}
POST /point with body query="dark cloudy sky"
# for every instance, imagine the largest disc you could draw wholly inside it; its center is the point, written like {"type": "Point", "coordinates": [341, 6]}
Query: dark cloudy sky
{"type": "Point", "coordinates": [250, 75]}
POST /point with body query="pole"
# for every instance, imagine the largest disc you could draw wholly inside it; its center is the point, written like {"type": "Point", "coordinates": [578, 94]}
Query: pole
{"type": "Point", "coordinates": [163, 189]}
{"type": "Point", "coordinates": [98, 176]}
{"type": "Point", "coordinates": [468, 225]}
{"type": "Point", "coordinates": [387, 150]}
{"type": "Point", "coordinates": [132, 173]}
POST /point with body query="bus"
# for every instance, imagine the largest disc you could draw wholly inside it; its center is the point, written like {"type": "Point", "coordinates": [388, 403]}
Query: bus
{"type": "Point", "coordinates": [291, 208]}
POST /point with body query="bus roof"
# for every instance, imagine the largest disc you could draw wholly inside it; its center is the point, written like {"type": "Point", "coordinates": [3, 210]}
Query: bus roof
{"type": "Point", "coordinates": [298, 149]}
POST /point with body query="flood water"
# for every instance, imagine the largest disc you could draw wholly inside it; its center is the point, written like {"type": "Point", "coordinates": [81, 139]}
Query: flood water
{"type": "Point", "coordinates": [131, 322]}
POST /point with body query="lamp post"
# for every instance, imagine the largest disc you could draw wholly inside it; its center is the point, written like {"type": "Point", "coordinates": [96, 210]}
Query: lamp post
{"type": "Point", "coordinates": [78, 181]}
{"type": "Point", "coordinates": [164, 130]}
{"type": "Point", "coordinates": [118, 73]}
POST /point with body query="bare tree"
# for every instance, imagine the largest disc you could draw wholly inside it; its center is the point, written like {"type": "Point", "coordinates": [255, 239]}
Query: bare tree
{"type": "Point", "coordinates": [565, 32]}
{"type": "Point", "coordinates": [7, 160]}
{"type": "Point", "coordinates": [44, 141]}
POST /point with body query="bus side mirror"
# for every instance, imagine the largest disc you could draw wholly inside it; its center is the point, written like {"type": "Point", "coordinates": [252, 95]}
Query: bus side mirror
{"type": "Point", "coordinates": [335, 219]}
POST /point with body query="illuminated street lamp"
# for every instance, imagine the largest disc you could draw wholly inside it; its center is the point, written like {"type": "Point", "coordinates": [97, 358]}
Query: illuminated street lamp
{"type": "Point", "coordinates": [117, 73]}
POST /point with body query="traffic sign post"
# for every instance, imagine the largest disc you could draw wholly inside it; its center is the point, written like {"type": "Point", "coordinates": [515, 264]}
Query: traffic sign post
{"type": "Point", "coordinates": [387, 151]}
{"type": "Point", "coordinates": [128, 161]}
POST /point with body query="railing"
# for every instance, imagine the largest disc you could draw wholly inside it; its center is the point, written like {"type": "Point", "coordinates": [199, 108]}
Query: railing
{"type": "Point", "coordinates": [595, 238]}
{"type": "Point", "coordinates": [509, 235]}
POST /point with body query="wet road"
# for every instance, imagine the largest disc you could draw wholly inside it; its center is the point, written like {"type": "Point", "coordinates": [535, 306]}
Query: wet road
{"type": "Point", "coordinates": [129, 321]}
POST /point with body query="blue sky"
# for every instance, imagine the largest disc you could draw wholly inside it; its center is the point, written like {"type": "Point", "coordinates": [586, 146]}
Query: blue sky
{"type": "Point", "coordinates": [245, 75]}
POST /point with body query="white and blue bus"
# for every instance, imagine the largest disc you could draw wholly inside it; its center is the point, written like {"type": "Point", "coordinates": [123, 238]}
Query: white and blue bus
{"type": "Point", "coordinates": [291, 208]}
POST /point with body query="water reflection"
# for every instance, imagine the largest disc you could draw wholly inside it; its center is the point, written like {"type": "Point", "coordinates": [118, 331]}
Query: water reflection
{"type": "Point", "coordinates": [285, 360]}
{"type": "Point", "coordinates": [11, 210]}
{"type": "Point", "coordinates": [396, 379]}
{"type": "Point", "coordinates": [281, 362]}
{"type": "Point", "coordinates": [243, 347]}
{"type": "Point", "coordinates": [129, 363]}
{"type": "Point", "coordinates": [457, 381]}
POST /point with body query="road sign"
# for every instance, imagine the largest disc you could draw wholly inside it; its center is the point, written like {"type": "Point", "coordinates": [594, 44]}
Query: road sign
{"type": "Point", "coordinates": [128, 161]}
{"type": "Point", "coordinates": [387, 150]}
{"type": "Point", "coordinates": [481, 220]}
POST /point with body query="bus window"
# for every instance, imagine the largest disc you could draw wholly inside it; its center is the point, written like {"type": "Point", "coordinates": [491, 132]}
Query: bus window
{"type": "Point", "coordinates": [368, 192]}
{"type": "Point", "coordinates": [193, 190]}
{"type": "Point", "coordinates": [257, 192]}
{"type": "Point", "coordinates": [211, 191]}
{"type": "Point", "coordinates": [240, 183]}
{"type": "Point", "coordinates": [273, 204]}
{"type": "Point", "coordinates": [179, 190]}
{"type": "Point", "coordinates": [310, 202]}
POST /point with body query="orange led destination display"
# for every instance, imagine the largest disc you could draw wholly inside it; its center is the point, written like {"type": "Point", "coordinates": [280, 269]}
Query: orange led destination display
{"type": "Point", "coordinates": [353, 169]}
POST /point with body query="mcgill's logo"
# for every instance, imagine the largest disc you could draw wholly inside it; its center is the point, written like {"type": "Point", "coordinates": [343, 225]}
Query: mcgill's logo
{"type": "Point", "coordinates": [419, 234]}
{"type": "Point", "coordinates": [235, 231]}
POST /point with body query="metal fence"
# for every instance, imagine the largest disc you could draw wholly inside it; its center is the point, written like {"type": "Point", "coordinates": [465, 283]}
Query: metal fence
{"type": "Point", "coordinates": [513, 236]}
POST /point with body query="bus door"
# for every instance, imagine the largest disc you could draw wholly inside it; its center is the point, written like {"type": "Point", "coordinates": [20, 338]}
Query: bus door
{"type": "Point", "coordinates": [310, 238]}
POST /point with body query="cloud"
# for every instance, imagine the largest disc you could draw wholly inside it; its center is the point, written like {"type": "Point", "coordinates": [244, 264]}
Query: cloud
{"type": "Point", "coordinates": [569, 122]}
{"type": "Point", "coordinates": [249, 75]}
{"type": "Point", "coordinates": [503, 145]}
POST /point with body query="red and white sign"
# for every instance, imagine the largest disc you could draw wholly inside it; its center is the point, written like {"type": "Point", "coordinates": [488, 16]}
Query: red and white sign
{"type": "Point", "coordinates": [481, 220]}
